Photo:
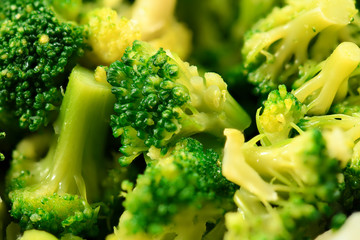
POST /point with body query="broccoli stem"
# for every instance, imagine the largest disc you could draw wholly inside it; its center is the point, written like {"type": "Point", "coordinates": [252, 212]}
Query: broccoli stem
{"type": "Point", "coordinates": [81, 129]}
{"type": "Point", "coordinates": [337, 69]}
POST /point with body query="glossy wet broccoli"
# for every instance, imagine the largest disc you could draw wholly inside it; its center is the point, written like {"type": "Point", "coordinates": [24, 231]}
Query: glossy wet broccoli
{"type": "Point", "coordinates": [54, 177]}
{"type": "Point", "coordinates": [37, 50]}
{"type": "Point", "coordinates": [161, 99]}
{"type": "Point", "coordinates": [180, 195]}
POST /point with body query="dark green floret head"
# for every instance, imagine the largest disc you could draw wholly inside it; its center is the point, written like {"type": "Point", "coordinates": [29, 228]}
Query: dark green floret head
{"type": "Point", "coordinates": [36, 50]}
{"type": "Point", "coordinates": [161, 99]}
{"type": "Point", "coordinates": [178, 186]}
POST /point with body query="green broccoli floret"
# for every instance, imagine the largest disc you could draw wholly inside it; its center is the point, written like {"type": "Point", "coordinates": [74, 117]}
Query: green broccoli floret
{"type": "Point", "coordinates": [4, 218]}
{"type": "Point", "coordinates": [348, 123]}
{"type": "Point", "coordinates": [348, 106]}
{"type": "Point", "coordinates": [36, 51]}
{"type": "Point", "coordinates": [55, 193]}
{"type": "Point", "coordinates": [279, 44]}
{"type": "Point", "coordinates": [161, 99]}
{"type": "Point", "coordinates": [181, 195]}
{"type": "Point", "coordinates": [287, 188]}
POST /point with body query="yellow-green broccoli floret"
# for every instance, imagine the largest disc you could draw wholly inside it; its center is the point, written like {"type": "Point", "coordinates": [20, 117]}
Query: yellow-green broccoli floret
{"type": "Point", "coordinates": [281, 42]}
{"type": "Point", "coordinates": [280, 112]}
{"type": "Point", "coordinates": [36, 52]}
{"type": "Point", "coordinates": [181, 195]}
{"type": "Point", "coordinates": [109, 35]}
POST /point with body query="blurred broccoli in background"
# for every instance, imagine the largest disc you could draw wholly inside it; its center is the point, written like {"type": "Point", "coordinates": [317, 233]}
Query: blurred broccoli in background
{"type": "Point", "coordinates": [165, 119]}
{"type": "Point", "coordinates": [180, 195]}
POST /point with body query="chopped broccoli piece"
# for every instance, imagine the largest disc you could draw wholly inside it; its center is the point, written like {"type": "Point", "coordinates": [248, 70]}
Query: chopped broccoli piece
{"type": "Point", "coordinates": [348, 106]}
{"type": "Point", "coordinates": [161, 99]}
{"type": "Point", "coordinates": [179, 194]}
{"type": "Point", "coordinates": [286, 188]}
{"type": "Point", "coordinates": [331, 83]}
{"type": "Point", "coordinates": [109, 35]}
{"type": "Point", "coordinates": [55, 193]}
{"type": "Point", "coordinates": [279, 44]}
{"type": "Point", "coordinates": [350, 197]}
{"type": "Point", "coordinates": [280, 112]}
{"type": "Point", "coordinates": [36, 50]}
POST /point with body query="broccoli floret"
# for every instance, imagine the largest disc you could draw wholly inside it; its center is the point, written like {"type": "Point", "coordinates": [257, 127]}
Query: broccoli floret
{"type": "Point", "coordinates": [348, 123]}
{"type": "Point", "coordinates": [36, 50]}
{"type": "Point", "coordinates": [247, 17]}
{"type": "Point", "coordinates": [277, 45]}
{"type": "Point", "coordinates": [55, 193]}
{"type": "Point", "coordinates": [161, 99]}
{"type": "Point", "coordinates": [179, 195]}
{"type": "Point", "coordinates": [42, 235]}
{"type": "Point", "coordinates": [109, 35]}
{"type": "Point", "coordinates": [350, 197]}
{"type": "Point", "coordinates": [287, 188]}
{"type": "Point", "coordinates": [331, 83]}
{"type": "Point", "coordinates": [348, 106]}
{"type": "Point", "coordinates": [2, 136]}
{"type": "Point", "coordinates": [280, 112]}
{"type": "Point", "coordinates": [4, 218]}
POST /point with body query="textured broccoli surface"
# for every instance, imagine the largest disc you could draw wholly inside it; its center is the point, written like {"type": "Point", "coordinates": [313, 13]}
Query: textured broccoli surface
{"type": "Point", "coordinates": [280, 112]}
{"type": "Point", "coordinates": [279, 44]}
{"type": "Point", "coordinates": [55, 193]}
{"type": "Point", "coordinates": [286, 188]}
{"type": "Point", "coordinates": [36, 50]}
{"type": "Point", "coordinates": [161, 99]}
{"type": "Point", "coordinates": [179, 194]}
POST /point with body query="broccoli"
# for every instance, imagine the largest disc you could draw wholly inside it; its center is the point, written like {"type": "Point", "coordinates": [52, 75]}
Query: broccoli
{"type": "Point", "coordinates": [109, 35]}
{"type": "Point", "coordinates": [161, 99]}
{"type": "Point", "coordinates": [279, 44]}
{"type": "Point", "coordinates": [4, 218]}
{"type": "Point", "coordinates": [180, 195]}
{"type": "Point", "coordinates": [350, 197]}
{"type": "Point", "coordinates": [54, 177]}
{"type": "Point", "coordinates": [348, 106]}
{"type": "Point", "coordinates": [280, 112]}
{"type": "Point", "coordinates": [111, 31]}
{"type": "Point", "coordinates": [42, 235]}
{"type": "Point", "coordinates": [36, 51]}
{"type": "Point", "coordinates": [286, 188]}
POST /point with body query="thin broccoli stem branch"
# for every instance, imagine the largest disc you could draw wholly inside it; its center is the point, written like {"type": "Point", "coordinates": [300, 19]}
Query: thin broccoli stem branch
{"type": "Point", "coordinates": [337, 69]}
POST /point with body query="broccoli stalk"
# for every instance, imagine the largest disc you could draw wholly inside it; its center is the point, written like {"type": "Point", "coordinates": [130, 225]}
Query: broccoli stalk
{"type": "Point", "coordinates": [55, 193]}
{"type": "Point", "coordinates": [181, 195]}
{"type": "Point", "coordinates": [278, 44]}
{"type": "Point", "coordinates": [332, 81]}
{"type": "Point", "coordinates": [161, 99]}
{"type": "Point", "coordinates": [283, 110]}
{"type": "Point", "coordinates": [286, 188]}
